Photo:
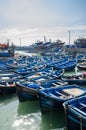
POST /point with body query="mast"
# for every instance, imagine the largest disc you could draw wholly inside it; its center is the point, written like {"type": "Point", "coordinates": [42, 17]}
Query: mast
{"type": "Point", "coordinates": [69, 37]}
{"type": "Point", "coordinates": [20, 41]}
{"type": "Point", "coordinates": [8, 42]}
{"type": "Point", "coordinates": [44, 39]}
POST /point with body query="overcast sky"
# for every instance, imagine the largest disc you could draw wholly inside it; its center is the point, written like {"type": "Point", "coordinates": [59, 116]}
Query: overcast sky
{"type": "Point", "coordinates": [30, 20]}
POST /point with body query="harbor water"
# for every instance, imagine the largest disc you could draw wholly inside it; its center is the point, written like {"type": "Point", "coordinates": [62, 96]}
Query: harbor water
{"type": "Point", "coordinates": [15, 115]}
{"type": "Point", "coordinates": [27, 116]}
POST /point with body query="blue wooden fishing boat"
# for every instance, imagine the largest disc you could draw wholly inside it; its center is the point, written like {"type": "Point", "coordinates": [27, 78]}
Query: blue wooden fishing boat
{"type": "Point", "coordinates": [5, 54]}
{"type": "Point", "coordinates": [3, 66]}
{"type": "Point", "coordinates": [80, 58]}
{"type": "Point", "coordinates": [74, 79]}
{"type": "Point", "coordinates": [67, 66]}
{"type": "Point", "coordinates": [28, 90]}
{"type": "Point", "coordinates": [82, 66]}
{"type": "Point", "coordinates": [29, 69]}
{"type": "Point", "coordinates": [6, 50]}
{"type": "Point", "coordinates": [24, 71]}
{"type": "Point", "coordinates": [75, 112]}
{"type": "Point", "coordinates": [57, 62]}
{"type": "Point", "coordinates": [53, 98]}
{"type": "Point", "coordinates": [7, 87]}
{"type": "Point", "coordinates": [47, 73]}
{"type": "Point", "coordinates": [55, 73]}
{"type": "Point", "coordinates": [35, 76]}
{"type": "Point", "coordinates": [10, 76]}
{"type": "Point", "coordinates": [7, 82]}
{"type": "Point", "coordinates": [16, 65]}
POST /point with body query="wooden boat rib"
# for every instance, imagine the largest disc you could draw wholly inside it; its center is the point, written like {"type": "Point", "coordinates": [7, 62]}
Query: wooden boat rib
{"type": "Point", "coordinates": [73, 91]}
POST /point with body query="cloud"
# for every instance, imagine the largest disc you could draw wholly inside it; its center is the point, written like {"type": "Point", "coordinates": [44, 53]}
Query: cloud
{"type": "Point", "coordinates": [32, 19]}
{"type": "Point", "coordinates": [30, 36]}
{"type": "Point", "coordinates": [28, 14]}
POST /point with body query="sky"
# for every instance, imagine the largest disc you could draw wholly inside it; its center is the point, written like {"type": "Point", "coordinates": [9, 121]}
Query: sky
{"type": "Point", "coordinates": [26, 21]}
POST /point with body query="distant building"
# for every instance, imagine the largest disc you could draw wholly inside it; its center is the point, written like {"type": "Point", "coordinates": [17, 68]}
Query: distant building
{"type": "Point", "coordinates": [80, 43]}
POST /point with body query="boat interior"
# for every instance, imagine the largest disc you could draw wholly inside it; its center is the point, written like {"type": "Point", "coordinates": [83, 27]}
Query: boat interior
{"type": "Point", "coordinates": [66, 93]}
{"type": "Point", "coordinates": [80, 107]}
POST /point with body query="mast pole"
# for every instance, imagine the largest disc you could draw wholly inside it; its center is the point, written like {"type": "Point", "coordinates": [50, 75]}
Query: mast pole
{"type": "Point", "coordinates": [69, 37]}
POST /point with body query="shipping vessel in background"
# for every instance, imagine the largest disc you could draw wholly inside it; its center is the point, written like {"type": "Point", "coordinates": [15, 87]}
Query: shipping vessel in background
{"type": "Point", "coordinates": [80, 43]}
{"type": "Point", "coordinates": [6, 49]}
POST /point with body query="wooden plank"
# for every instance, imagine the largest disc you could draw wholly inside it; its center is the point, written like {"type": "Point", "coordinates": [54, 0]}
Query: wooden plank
{"type": "Point", "coordinates": [73, 91]}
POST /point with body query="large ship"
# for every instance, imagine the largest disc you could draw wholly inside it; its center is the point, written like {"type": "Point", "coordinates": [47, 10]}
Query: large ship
{"type": "Point", "coordinates": [6, 50]}
{"type": "Point", "coordinates": [42, 46]}
{"type": "Point", "coordinates": [46, 46]}
{"type": "Point", "coordinates": [80, 43]}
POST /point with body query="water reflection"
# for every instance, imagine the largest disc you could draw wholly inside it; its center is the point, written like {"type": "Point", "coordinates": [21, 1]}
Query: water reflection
{"type": "Point", "coordinates": [29, 116]}
{"type": "Point", "coordinates": [53, 120]}
{"type": "Point", "coordinates": [28, 107]}
{"type": "Point", "coordinates": [27, 122]}
{"type": "Point", "coordinates": [6, 99]}
{"type": "Point", "coordinates": [8, 108]}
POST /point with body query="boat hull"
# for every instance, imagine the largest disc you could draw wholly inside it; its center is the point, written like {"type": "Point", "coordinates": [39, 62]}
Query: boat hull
{"type": "Point", "coordinates": [49, 104]}
{"type": "Point", "coordinates": [25, 93]}
{"type": "Point", "coordinates": [7, 90]}
{"type": "Point", "coordinates": [81, 67]}
{"type": "Point", "coordinates": [75, 121]}
{"type": "Point", "coordinates": [53, 98]}
{"type": "Point", "coordinates": [75, 113]}
{"type": "Point", "coordinates": [74, 80]}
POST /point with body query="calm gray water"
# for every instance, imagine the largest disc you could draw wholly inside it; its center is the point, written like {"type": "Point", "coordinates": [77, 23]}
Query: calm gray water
{"type": "Point", "coordinates": [27, 116]}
